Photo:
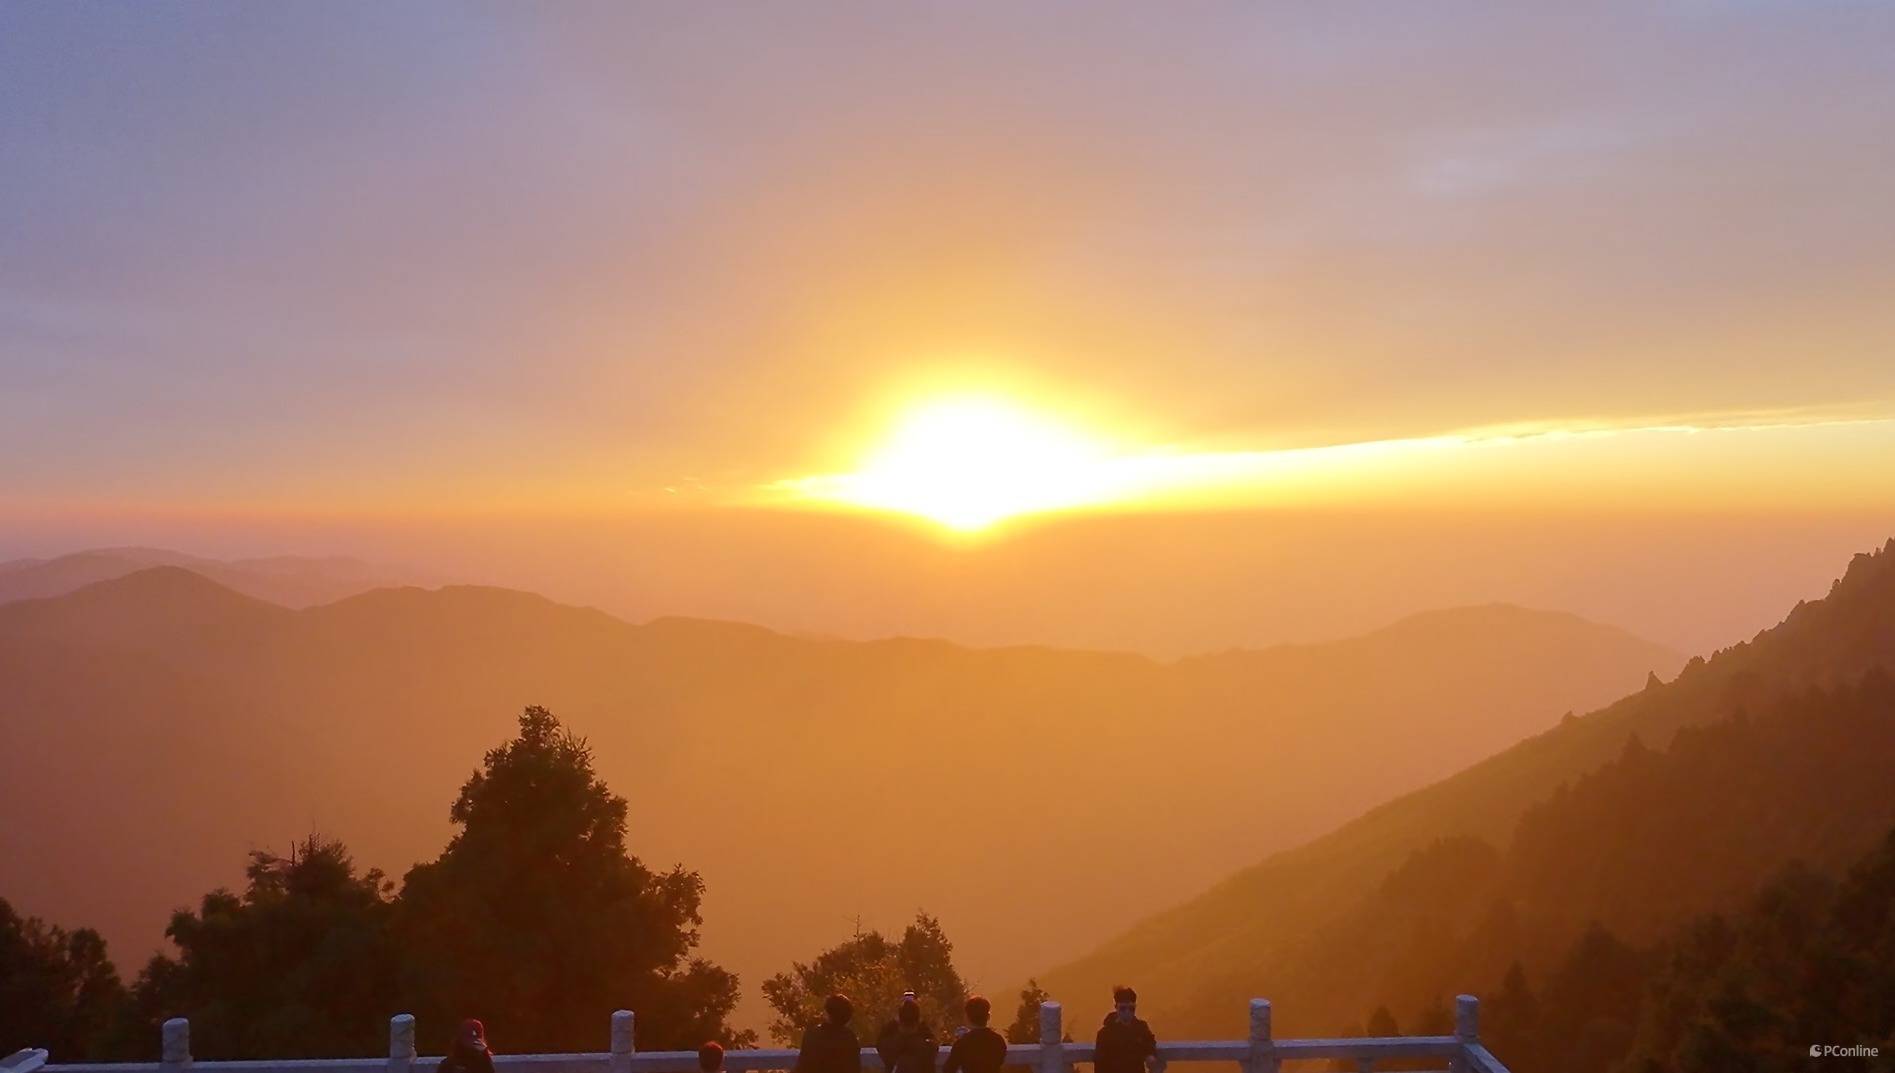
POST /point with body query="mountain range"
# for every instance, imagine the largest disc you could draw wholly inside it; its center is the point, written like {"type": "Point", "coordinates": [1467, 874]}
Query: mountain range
{"type": "Point", "coordinates": [290, 580]}
{"type": "Point", "coordinates": [1677, 800]}
{"type": "Point", "coordinates": [160, 724]}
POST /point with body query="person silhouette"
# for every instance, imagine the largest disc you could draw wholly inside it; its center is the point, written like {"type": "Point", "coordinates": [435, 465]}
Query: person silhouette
{"type": "Point", "coordinates": [980, 1049]}
{"type": "Point", "coordinates": [1125, 1044]}
{"type": "Point", "coordinates": [469, 1052]}
{"type": "Point", "coordinates": [907, 1044]}
{"type": "Point", "coordinates": [830, 1046]}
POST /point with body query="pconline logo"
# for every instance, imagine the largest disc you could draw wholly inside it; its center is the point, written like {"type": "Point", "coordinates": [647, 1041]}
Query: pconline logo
{"type": "Point", "coordinates": [1832, 1050]}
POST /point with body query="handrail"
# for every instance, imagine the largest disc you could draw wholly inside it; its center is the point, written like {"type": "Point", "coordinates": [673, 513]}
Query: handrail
{"type": "Point", "coordinates": [1261, 1053]}
{"type": "Point", "coordinates": [1480, 1060]}
{"type": "Point", "coordinates": [25, 1060]}
{"type": "Point", "coordinates": [746, 1061]}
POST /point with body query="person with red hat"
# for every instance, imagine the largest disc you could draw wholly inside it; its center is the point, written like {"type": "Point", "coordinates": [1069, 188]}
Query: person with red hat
{"type": "Point", "coordinates": [469, 1052]}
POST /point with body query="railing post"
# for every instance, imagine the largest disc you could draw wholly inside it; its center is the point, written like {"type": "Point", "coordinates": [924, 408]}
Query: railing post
{"type": "Point", "coordinates": [1466, 1030]}
{"type": "Point", "coordinates": [401, 1043]}
{"type": "Point", "coordinates": [1052, 1060]}
{"type": "Point", "coordinates": [175, 1049]}
{"type": "Point", "coordinates": [1262, 1044]}
{"type": "Point", "coordinates": [623, 1044]}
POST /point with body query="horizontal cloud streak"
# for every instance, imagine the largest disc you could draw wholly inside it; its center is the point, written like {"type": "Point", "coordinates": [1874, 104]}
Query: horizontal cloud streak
{"type": "Point", "coordinates": [1484, 464]}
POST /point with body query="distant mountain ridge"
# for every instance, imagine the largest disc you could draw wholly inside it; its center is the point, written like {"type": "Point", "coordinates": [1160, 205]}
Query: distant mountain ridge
{"type": "Point", "coordinates": [293, 581]}
{"type": "Point", "coordinates": [173, 723]}
{"type": "Point", "coordinates": [1273, 928]}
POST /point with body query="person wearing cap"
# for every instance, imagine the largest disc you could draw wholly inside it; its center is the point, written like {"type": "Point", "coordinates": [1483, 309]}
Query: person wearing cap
{"type": "Point", "coordinates": [710, 1057]}
{"type": "Point", "coordinates": [980, 1049]}
{"type": "Point", "coordinates": [469, 1052]}
{"type": "Point", "coordinates": [831, 1045]}
{"type": "Point", "coordinates": [907, 1043]}
{"type": "Point", "coordinates": [1125, 1044]}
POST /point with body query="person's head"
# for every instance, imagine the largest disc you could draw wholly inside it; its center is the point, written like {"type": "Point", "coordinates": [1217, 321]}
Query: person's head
{"type": "Point", "coordinates": [710, 1057]}
{"type": "Point", "coordinates": [909, 1012]}
{"type": "Point", "coordinates": [472, 1033]}
{"type": "Point", "coordinates": [838, 1009]}
{"type": "Point", "coordinates": [1125, 1001]}
{"type": "Point", "coordinates": [978, 1011]}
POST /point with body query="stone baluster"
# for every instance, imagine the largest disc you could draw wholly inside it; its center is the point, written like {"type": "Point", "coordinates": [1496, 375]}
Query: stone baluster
{"type": "Point", "coordinates": [623, 1041]}
{"type": "Point", "coordinates": [1262, 1043]}
{"type": "Point", "coordinates": [401, 1043]}
{"type": "Point", "coordinates": [1052, 1049]}
{"type": "Point", "coordinates": [175, 1053]}
{"type": "Point", "coordinates": [1466, 1030]}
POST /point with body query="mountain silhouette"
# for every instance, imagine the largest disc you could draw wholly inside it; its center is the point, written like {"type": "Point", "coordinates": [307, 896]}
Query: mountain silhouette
{"type": "Point", "coordinates": [293, 581]}
{"type": "Point", "coordinates": [1034, 798]}
{"type": "Point", "coordinates": [1678, 798]}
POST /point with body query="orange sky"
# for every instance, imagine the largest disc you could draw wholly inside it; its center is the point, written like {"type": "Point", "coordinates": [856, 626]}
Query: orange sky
{"type": "Point", "coordinates": [484, 288]}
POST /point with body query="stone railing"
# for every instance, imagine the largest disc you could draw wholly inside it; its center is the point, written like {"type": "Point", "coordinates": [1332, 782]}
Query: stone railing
{"type": "Point", "coordinates": [1262, 1052]}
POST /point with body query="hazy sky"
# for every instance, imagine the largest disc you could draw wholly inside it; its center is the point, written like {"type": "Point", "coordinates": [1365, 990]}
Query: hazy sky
{"type": "Point", "coordinates": [346, 261]}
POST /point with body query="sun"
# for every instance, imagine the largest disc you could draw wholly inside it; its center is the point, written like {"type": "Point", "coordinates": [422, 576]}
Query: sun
{"type": "Point", "coordinates": [970, 462]}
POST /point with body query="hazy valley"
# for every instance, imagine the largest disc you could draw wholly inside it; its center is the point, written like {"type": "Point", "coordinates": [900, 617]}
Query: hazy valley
{"type": "Point", "coordinates": [174, 724]}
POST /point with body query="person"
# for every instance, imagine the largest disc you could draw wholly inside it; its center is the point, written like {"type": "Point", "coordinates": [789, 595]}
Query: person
{"type": "Point", "coordinates": [710, 1057]}
{"type": "Point", "coordinates": [831, 1046]}
{"type": "Point", "coordinates": [1125, 1043]}
{"type": "Point", "coordinates": [980, 1049]}
{"type": "Point", "coordinates": [906, 1043]}
{"type": "Point", "coordinates": [468, 1053]}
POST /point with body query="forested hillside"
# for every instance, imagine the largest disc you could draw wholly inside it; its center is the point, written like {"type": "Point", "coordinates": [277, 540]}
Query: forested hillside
{"type": "Point", "coordinates": [1621, 861]}
{"type": "Point", "coordinates": [1678, 799]}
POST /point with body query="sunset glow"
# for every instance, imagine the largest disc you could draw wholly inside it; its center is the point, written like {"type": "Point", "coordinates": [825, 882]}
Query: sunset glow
{"type": "Point", "coordinates": [968, 463]}
{"type": "Point", "coordinates": [689, 493]}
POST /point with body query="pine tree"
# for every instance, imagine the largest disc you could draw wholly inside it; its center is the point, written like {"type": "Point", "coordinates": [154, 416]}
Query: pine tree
{"type": "Point", "coordinates": [537, 919]}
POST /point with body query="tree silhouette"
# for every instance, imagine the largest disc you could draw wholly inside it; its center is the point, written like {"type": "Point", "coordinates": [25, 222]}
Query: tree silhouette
{"type": "Point", "coordinates": [537, 919]}
{"type": "Point", "coordinates": [1809, 961]}
{"type": "Point", "coordinates": [873, 972]}
{"type": "Point", "coordinates": [1026, 1017]}
{"type": "Point", "coordinates": [1381, 1023]}
{"type": "Point", "coordinates": [58, 990]}
{"type": "Point", "coordinates": [1510, 1018]}
{"type": "Point", "coordinates": [301, 963]}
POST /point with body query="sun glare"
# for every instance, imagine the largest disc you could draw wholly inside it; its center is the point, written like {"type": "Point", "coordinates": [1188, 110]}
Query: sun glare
{"type": "Point", "coordinates": [968, 463]}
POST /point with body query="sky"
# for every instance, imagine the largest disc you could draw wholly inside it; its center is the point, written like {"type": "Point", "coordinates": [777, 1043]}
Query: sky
{"type": "Point", "coordinates": [624, 301]}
